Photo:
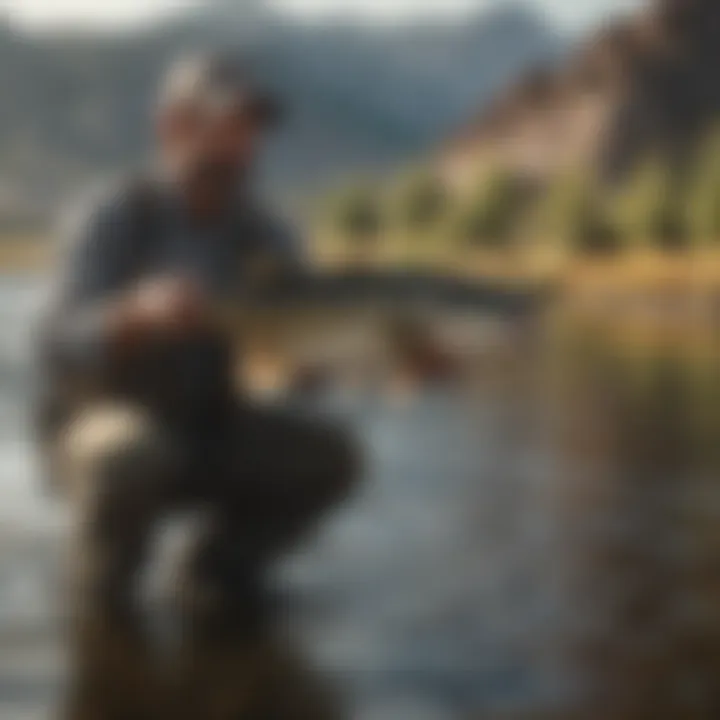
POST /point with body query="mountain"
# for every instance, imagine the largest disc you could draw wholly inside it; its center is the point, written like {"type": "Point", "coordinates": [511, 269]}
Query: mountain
{"type": "Point", "coordinates": [645, 87]}
{"type": "Point", "coordinates": [361, 97]}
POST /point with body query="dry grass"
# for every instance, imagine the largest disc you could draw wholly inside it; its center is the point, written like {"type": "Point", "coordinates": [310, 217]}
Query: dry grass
{"type": "Point", "coordinates": [647, 271]}
{"type": "Point", "coordinates": [636, 271]}
{"type": "Point", "coordinates": [22, 253]}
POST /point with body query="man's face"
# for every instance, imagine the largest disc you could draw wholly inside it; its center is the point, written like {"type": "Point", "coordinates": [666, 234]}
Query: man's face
{"type": "Point", "coordinates": [212, 150]}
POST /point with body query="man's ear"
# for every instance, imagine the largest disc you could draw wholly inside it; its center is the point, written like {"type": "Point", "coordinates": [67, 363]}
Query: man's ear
{"type": "Point", "coordinates": [164, 125]}
{"type": "Point", "coordinates": [171, 123]}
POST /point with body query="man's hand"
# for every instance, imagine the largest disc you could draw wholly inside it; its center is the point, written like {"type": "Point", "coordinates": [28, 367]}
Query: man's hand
{"type": "Point", "coordinates": [162, 308]}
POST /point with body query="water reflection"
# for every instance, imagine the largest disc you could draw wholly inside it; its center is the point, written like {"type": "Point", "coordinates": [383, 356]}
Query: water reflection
{"type": "Point", "coordinates": [642, 506]}
{"type": "Point", "coordinates": [254, 673]}
{"type": "Point", "coordinates": [539, 541]}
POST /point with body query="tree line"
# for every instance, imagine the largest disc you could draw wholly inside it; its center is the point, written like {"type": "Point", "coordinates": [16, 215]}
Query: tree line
{"type": "Point", "coordinates": [656, 207]}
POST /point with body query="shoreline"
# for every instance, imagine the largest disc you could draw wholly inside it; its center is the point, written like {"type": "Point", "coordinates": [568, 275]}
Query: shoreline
{"type": "Point", "coordinates": [637, 270]}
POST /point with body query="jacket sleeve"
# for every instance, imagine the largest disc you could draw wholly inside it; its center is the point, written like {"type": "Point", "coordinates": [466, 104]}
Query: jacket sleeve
{"type": "Point", "coordinates": [285, 250]}
{"type": "Point", "coordinates": [289, 248]}
{"type": "Point", "coordinates": [95, 256]}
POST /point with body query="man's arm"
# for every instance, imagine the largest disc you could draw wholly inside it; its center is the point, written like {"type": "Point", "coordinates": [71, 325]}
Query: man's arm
{"type": "Point", "coordinates": [289, 248]}
{"type": "Point", "coordinates": [96, 259]}
{"type": "Point", "coordinates": [281, 245]}
{"type": "Point", "coordinates": [103, 313]}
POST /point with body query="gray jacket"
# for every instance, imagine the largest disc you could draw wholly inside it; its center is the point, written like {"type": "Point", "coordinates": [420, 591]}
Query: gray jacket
{"type": "Point", "coordinates": [139, 231]}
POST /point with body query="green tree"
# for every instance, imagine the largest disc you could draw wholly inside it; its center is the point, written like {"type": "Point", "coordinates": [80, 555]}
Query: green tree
{"type": "Point", "coordinates": [571, 214]}
{"type": "Point", "coordinates": [648, 209]}
{"type": "Point", "coordinates": [702, 210]}
{"type": "Point", "coordinates": [420, 202]}
{"type": "Point", "coordinates": [490, 215]}
{"type": "Point", "coordinates": [357, 215]}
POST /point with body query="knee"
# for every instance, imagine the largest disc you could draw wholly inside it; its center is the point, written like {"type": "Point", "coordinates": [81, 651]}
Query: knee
{"type": "Point", "coordinates": [116, 461]}
{"type": "Point", "coordinates": [341, 465]}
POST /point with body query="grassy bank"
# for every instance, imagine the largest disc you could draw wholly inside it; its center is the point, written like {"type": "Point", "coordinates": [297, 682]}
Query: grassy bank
{"type": "Point", "coordinates": [24, 253]}
{"type": "Point", "coordinates": [638, 271]}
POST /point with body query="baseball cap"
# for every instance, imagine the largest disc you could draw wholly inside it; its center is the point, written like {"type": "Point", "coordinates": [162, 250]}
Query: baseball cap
{"type": "Point", "coordinates": [217, 82]}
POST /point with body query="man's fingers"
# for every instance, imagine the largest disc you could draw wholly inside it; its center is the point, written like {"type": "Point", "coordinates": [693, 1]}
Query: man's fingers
{"type": "Point", "coordinates": [172, 301]}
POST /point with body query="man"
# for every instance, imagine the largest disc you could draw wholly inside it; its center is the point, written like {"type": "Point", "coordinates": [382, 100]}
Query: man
{"type": "Point", "coordinates": [142, 415]}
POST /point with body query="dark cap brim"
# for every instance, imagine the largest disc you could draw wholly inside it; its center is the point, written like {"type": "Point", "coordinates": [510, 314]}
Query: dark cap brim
{"type": "Point", "coordinates": [218, 84]}
{"type": "Point", "coordinates": [261, 107]}
{"type": "Point", "coordinates": [266, 109]}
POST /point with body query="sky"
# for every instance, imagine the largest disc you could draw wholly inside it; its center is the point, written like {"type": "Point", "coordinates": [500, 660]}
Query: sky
{"type": "Point", "coordinates": [43, 13]}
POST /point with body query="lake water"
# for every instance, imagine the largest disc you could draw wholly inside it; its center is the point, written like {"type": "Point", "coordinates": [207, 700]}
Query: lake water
{"type": "Point", "coordinates": [541, 542]}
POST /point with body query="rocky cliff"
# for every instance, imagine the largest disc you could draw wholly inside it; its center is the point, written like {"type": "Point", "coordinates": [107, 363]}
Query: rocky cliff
{"type": "Point", "coordinates": [644, 86]}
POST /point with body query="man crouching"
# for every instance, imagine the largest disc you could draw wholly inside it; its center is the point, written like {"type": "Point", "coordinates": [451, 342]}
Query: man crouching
{"type": "Point", "coordinates": [141, 416]}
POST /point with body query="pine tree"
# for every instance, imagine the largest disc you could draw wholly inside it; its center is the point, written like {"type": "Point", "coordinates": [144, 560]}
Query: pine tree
{"type": "Point", "coordinates": [571, 216]}
{"type": "Point", "coordinates": [489, 216]}
{"type": "Point", "coordinates": [702, 211]}
{"type": "Point", "coordinates": [357, 215]}
{"type": "Point", "coordinates": [648, 210]}
{"type": "Point", "coordinates": [420, 202]}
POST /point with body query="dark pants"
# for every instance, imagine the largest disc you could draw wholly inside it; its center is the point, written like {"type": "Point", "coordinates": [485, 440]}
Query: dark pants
{"type": "Point", "coordinates": [261, 477]}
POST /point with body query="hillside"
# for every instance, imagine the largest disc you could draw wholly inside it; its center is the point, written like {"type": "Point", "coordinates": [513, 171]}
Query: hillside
{"type": "Point", "coordinates": [639, 88]}
{"type": "Point", "coordinates": [74, 106]}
